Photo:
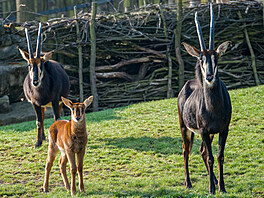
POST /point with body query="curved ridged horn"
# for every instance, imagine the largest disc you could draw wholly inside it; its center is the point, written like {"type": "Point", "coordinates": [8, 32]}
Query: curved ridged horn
{"type": "Point", "coordinates": [211, 36]}
{"type": "Point", "coordinates": [38, 48]}
{"type": "Point", "coordinates": [30, 50]}
{"type": "Point", "coordinates": [199, 32]}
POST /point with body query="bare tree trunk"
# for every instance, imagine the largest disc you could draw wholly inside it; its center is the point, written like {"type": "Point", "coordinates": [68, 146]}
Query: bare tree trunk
{"type": "Point", "coordinates": [93, 58]}
{"type": "Point", "coordinates": [126, 5]}
{"type": "Point", "coordinates": [25, 8]}
{"type": "Point", "coordinates": [253, 57]}
{"type": "Point", "coordinates": [170, 91]}
{"type": "Point", "coordinates": [141, 3]}
{"type": "Point", "coordinates": [80, 56]}
{"type": "Point", "coordinates": [177, 33]}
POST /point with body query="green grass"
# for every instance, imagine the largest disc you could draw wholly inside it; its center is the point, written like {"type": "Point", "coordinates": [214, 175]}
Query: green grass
{"type": "Point", "coordinates": [136, 151]}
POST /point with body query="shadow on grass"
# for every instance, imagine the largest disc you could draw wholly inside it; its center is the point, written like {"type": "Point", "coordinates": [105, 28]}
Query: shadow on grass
{"type": "Point", "coordinates": [154, 193]}
{"type": "Point", "coordinates": [162, 145]}
{"type": "Point", "coordinates": [109, 114]}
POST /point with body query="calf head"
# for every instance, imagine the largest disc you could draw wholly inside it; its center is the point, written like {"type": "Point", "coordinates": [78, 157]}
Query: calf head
{"type": "Point", "coordinates": [77, 109]}
{"type": "Point", "coordinates": [207, 57]}
{"type": "Point", "coordinates": [35, 63]}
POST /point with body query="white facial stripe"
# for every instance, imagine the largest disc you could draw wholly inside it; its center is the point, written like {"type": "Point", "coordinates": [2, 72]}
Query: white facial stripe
{"type": "Point", "coordinates": [203, 65]}
{"type": "Point", "coordinates": [73, 116]}
{"type": "Point", "coordinates": [213, 64]}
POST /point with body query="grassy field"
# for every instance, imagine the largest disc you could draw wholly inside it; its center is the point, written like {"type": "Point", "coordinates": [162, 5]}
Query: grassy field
{"type": "Point", "coordinates": [136, 151]}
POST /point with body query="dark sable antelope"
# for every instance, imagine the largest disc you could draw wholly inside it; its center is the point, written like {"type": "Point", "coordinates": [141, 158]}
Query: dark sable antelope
{"type": "Point", "coordinates": [45, 83]}
{"type": "Point", "coordinates": [204, 107]}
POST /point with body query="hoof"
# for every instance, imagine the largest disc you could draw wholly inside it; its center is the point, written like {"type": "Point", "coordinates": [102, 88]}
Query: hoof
{"type": "Point", "coordinates": [188, 185]}
{"type": "Point", "coordinates": [212, 190]}
{"type": "Point", "coordinates": [222, 190]}
{"type": "Point", "coordinates": [45, 190]}
{"type": "Point", "coordinates": [73, 193]}
{"type": "Point", "coordinates": [38, 144]}
{"type": "Point", "coordinates": [43, 137]}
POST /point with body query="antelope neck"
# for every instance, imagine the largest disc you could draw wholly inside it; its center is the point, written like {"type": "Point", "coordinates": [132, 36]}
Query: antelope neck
{"type": "Point", "coordinates": [213, 96]}
{"type": "Point", "coordinates": [78, 127]}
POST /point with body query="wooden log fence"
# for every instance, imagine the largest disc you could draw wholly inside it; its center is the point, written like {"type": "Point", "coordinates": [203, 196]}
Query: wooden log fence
{"type": "Point", "coordinates": [132, 49]}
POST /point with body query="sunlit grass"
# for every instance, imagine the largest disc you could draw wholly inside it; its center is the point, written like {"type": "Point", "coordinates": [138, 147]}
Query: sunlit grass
{"type": "Point", "coordinates": [136, 151]}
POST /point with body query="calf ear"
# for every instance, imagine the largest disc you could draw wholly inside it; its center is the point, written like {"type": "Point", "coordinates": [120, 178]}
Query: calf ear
{"type": "Point", "coordinates": [222, 48]}
{"type": "Point", "coordinates": [88, 101]}
{"type": "Point", "coordinates": [192, 50]}
{"type": "Point", "coordinates": [67, 102]}
{"type": "Point", "coordinates": [47, 56]}
{"type": "Point", "coordinates": [24, 54]}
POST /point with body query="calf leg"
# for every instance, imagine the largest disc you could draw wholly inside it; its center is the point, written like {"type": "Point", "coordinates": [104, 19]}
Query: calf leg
{"type": "Point", "coordinates": [80, 157]}
{"type": "Point", "coordinates": [63, 162]}
{"type": "Point", "coordinates": [220, 159]}
{"type": "Point", "coordinates": [71, 158]}
{"type": "Point", "coordinates": [52, 152]}
{"type": "Point", "coordinates": [204, 154]}
{"type": "Point", "coordinates": [210, 159]}
{"type": "Point", "coordinates": [39, 123]}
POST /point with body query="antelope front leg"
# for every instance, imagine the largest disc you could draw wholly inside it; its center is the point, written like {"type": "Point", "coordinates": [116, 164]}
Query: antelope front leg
{"type": "Point", "coordinates": [63, 162]}
{"type": "Point", "coordinates": [210, 160]}
{"type": "Point", "coordinates": [80, 157]}
{"type": "Point", "coordinates": [204, 154]}
{"type": "Point", "coordinates": [39, 123]}
{"type": "Point", "coordinates": [42, 125]}
{"type": "Point", "coordinates": [186, 135]}
{"type": "Point", "coordinates": [52, 152]}
{"type": "Point", "coordinates": [220, 159]}
{"type": "Point", "coordinates": [71, 158]}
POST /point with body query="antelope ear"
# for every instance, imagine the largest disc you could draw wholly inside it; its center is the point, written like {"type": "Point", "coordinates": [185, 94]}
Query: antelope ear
{"type": "Point", "coordinates": [222, 48]}
{"type": "Point", "coordinates": [24, 54]}
{"type": "Point", "coordinates": [88, 101]}
{"type": "Point", "coordinates": [67, 102]}
{"type": "Point", "coordinates": [192, 50]}
{"type": "Point", "coordinates": [47, 56]}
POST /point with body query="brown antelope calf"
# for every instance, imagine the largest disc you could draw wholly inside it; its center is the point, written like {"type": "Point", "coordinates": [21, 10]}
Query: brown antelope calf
{"type": "Point", "coordinates": [70, 137]}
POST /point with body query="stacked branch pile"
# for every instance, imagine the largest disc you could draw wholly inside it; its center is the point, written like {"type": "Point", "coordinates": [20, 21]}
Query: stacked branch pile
{"type": "Point", "coordinates": [132, 49]}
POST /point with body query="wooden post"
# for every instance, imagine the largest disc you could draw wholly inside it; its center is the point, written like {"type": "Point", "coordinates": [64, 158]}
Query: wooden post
{"type": "Point", "coordinates": [93, 58]}
{"type": "Point", "coordinates": [43, 6]}
{"type": "Point", "coordinates": [253, 57]}
{"type": "Point", "coordinates": [141, 3]}
{"type": "Point", "coordinates": [24, 7]}
{"type": "Point", "coordinates": [70, 3]}
{"type": "Point", "coordinates": [177, 33]}
{"type": "Point", "coordinates": [169, 91]}
{"type": "Point", "coordinates": [80, 56]}
{"type": "Point", "coordinates": [4, 9]}
{"type": "Point", "coordinates": [126, 5]}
